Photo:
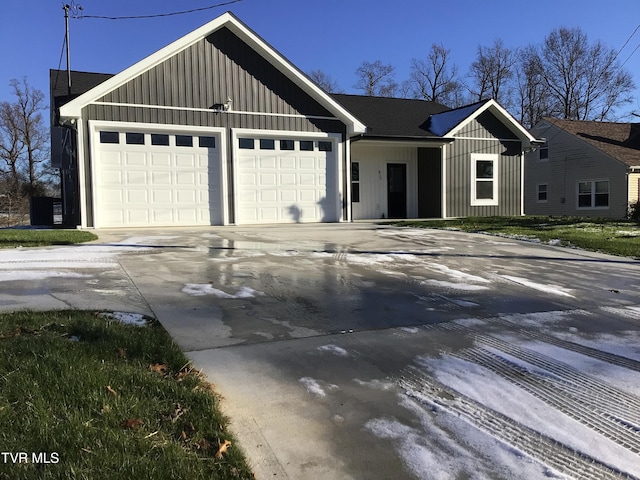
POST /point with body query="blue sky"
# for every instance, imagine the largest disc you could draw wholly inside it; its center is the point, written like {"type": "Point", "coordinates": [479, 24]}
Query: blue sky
{"type": "Point", "coordinates": [335, 36]}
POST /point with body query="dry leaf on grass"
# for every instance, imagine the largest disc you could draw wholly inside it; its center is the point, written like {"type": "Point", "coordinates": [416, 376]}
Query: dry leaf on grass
{"type": "Point", "coordinates": [122, 353]}
{"type": "Point", "coordinates": [132, 423]}
{"type": "Point", "coordinates": [222, 448]}
{"type": "Point", "coordinates": [160, 368]}
{"type": "Point", "coordinates": [111, 391]}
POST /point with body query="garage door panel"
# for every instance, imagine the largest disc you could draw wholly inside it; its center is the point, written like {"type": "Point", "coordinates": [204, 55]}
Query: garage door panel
{"type": "Point", "coordinates": [160, 160]}
{"type": "Point", "coordinates": [268, 195]}
{"type": "Point", "coordinates": [111, 158]}
{"type": "Point", "coordinates": [135, 178]}
{"type": "Point", "coordinates": [290, 189]}
{"type": "Point", "coordinates": [134, 196]}
{"type": "Point", "coordinates": [156, 185]}
{"type": "Point", "coordinates": [135, 159]}
{"type": "Point", "coordinates": [183, 160]}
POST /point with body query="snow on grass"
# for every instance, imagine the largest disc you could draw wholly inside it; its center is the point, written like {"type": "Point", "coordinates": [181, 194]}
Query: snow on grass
{"type": "Point", "coordinates": [504, 397]}
{"type": "Point", "coordinates": [336, 350]}
{"type": "Point", "coordinates": [200, 289]}
{"type": "Point", "coordinates": [553, 289]}
{"type": "Point", "coordinates": [136, 319]}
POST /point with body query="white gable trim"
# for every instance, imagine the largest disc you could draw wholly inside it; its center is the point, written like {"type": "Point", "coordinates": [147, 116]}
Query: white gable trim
{"type": "Point", "coordinates": [73, 109]}
{"type": "Point", "coordinates": [502, 115]}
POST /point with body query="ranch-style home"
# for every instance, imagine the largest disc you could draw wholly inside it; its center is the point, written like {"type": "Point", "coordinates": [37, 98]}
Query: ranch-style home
{"type": "Point", "coordinates": [219, 128]}
{"type": "Point", "coordinates": [585, 168]}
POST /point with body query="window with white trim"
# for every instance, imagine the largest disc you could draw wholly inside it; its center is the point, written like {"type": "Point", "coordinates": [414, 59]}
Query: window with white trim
{"type": "Point", "coordinates": [543, 191]}
{"type": "Point", "coordinates": [592, 194]}
{"type": "Point", "coordinates": [484, 179]}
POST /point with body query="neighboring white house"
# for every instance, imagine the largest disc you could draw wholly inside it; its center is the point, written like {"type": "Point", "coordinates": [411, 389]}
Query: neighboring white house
{"type": "Point", "coordinates": [585, 168]}
{"type": "Point", "coordinates": [219, 128]}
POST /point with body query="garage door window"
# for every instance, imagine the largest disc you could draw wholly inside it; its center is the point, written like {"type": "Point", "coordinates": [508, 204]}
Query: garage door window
{"type": "Point", "coordinates": [159, 139]}
{"type": "Point", "coordinates": [267, 144]}
{"type": "Point", "coordinates": [287, 145]}
{"type": "Point", "coordinates": [184, 141]}
{"type": "Point", "coordinates": [246, 143]}
{"type": "Point", "coordinates": [109, 137]}
{"type": "Point", "coordinates": [207, 142]}
{"type": "Point", "coordinates": [306, 145]}
{"type": "Point", "coordinates": [135, 138]}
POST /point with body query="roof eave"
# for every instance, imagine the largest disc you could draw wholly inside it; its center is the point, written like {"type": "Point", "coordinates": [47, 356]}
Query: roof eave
{"type": "Point", "coordinates": [527, 139]}
{"type": "Point", "coordinates": [73, 109]}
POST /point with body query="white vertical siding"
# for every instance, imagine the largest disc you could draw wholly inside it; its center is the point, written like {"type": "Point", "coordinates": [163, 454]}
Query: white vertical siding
{"type": "Point", "coordinates": [634, 187]}
{"type": "Point", "coordinates": [373, 162]}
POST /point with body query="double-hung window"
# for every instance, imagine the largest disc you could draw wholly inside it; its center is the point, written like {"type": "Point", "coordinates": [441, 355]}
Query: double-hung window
{"type": "Point", "coordinates": [484, 179]}
{"type": "Point", "coordinates": [593, 194]}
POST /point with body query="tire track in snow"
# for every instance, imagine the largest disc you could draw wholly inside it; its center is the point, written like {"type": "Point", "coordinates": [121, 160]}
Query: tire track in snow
{"type": "Point", "coordinates": [544, 449]}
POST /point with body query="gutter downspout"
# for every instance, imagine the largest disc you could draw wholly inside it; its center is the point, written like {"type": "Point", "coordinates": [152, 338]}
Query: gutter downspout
{"type": "Point", "coordinates": [443, 153]}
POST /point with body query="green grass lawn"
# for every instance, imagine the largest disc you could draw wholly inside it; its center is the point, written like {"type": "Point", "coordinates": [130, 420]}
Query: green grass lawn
{"type": "Point", "coordinates": [16, 237]}
{"type": "Point", "coordinates": [99, 399]}
{"type": "Point", "coordinates": [617, 237]}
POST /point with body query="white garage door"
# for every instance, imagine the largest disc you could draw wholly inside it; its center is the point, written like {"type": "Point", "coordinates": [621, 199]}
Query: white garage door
{"type": "Point", "coordinates": [156, 178]}
{"type": "Point", "coordinates": [285, 180]}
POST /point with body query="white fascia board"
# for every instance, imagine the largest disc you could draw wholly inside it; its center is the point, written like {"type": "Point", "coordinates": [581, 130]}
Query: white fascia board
{"type": "Point", "coordinates": [73, 108]}
{"type": "Point", "coordinates": [504, 116]}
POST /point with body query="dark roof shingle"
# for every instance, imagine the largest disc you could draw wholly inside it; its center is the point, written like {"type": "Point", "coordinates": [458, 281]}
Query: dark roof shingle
{"type": "Point", "coordinates": [392, 117]}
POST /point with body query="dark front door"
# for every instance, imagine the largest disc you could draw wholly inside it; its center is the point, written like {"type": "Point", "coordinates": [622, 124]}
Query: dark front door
{"type": "Point", "coordinates": [397, 190]}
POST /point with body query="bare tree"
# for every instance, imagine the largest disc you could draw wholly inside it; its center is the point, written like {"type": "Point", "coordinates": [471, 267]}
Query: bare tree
{"type": "Point", "coordinates": [491, 73]}
{"type": "Point", "coordinates": [24, 141]}
{"type": "Point", "coordinates": [325, 82]}
{"type": "Point", "coordinates": [584, 80]}
{"type": "Point", "coordinates": [376, 79]}
{"type": "Point", "coordinates": [435, 78]}
{"type": "Point", "coordinates": [532, 93]}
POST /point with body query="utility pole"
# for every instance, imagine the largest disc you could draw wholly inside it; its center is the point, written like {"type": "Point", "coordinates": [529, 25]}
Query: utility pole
{"type": "Point", "coordinates": [66, 9]}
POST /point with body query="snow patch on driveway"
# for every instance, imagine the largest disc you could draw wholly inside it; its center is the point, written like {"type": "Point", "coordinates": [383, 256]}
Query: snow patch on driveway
{"type": "Point", "coordinates": [313, 386]}
{"type": "Point", "coordinates": [336, 350]}
{"type": "Point", "coordinates": [554, 289]}
{"type": "Point", "coordinates": [202, 289]}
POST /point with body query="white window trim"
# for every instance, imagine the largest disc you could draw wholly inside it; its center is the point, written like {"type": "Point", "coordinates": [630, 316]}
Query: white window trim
{"type": "Point", "coordinates": [494, 157]}
{"type": "Point", "coordinates": [538, 193]}
{"type": "Point", "coordinates": [593, 194]}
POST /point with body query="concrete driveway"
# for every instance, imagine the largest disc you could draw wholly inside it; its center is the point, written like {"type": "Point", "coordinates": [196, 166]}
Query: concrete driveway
{"type": "Point", "coordinates": [372, 352]}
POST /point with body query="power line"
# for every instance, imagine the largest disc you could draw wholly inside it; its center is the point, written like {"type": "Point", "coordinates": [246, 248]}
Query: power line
{"type": "Point", "coordinates": [138, 17]}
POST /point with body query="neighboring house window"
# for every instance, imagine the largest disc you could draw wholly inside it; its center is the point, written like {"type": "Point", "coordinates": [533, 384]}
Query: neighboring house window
{"type": "Point", "coordinates": [593, 194]}
{"type": "Point", "coordinates": [484, 179]}
{"type": "Point", "coordinates": [355, 182]}
{"type": "Point", "coordinates": [543, 190]}
{"type": "Point", "coordinates": [543, 153]}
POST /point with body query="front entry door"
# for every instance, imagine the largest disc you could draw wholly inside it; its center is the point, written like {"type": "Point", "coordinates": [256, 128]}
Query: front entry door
{"type": "Point", "coordinates": [397, 190]}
